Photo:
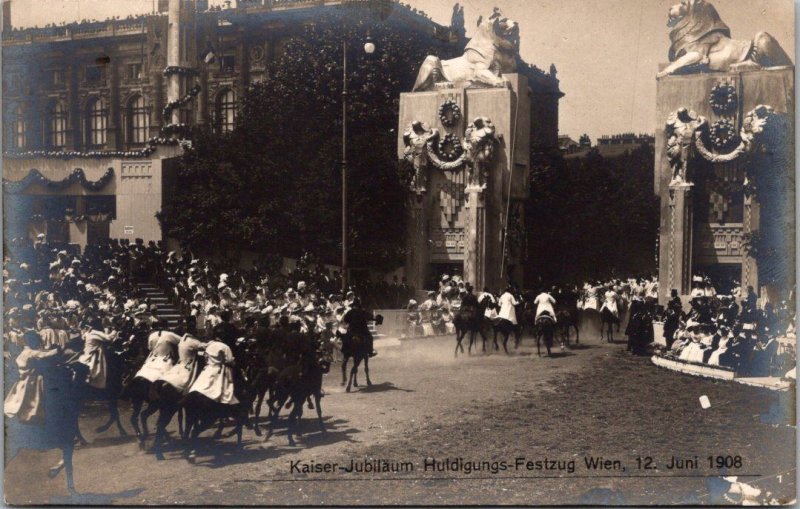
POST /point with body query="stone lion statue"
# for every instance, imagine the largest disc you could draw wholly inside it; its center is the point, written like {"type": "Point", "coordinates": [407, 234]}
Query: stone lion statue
{"type": "Point", "coordinates": [490, 53]}
{"type": "Point", "coordinates": [700, 37]}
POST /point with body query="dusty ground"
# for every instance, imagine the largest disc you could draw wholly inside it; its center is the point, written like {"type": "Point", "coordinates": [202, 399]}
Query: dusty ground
{"type": "Point", "coordinates": [589, 401]}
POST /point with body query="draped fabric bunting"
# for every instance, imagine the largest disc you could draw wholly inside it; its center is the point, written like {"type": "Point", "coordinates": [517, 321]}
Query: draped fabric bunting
{"type": "Point", "coordinates": [77, 176]}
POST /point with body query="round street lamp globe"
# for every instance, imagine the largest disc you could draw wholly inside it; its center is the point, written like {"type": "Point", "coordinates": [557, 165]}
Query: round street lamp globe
{"type": "Point", "coordinates": [369, 47]}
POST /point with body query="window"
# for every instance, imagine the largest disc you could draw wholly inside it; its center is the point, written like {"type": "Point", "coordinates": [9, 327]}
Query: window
{"type": "Point", "coordinates": [57, 77]}
{"type": "Point", "coordinates": [95, 73]}
{"type": "Point", "coordinates": [135, 71]}
{"type": "Point", "coordinates": [97, 121]}
{"type": "Point", "coordinates": [226, 110]}
{"type": "Point", "coordinates": [18, 128]}
{"type": "Point", "coordinates": [138, 120]}
{"type": "Point", "coordinates": [56, 125]}
{"type": "Point", "coordinates": [227, 63]}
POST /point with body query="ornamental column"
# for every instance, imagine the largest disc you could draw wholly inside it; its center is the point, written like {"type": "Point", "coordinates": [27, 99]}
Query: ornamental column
{"type": "Point", "coordinates": [679, 248]}
{"type": "Point", "coordinates": [174, 38]}
{"type": "Point", "coordinates": [475, 233]}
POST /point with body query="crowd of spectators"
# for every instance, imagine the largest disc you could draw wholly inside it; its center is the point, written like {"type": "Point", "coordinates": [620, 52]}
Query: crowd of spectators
{"type": "Point", "coordinates": [717, 331]}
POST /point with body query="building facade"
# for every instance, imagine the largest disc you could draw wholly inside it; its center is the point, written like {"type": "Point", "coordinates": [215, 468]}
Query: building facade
{"type": "Point", "coordinates": [91, 131]}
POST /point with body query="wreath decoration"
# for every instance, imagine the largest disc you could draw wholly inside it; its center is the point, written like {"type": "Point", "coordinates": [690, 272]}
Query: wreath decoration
{"type": "Point", "coordinates": [723, 98]}
{"type": "Point", "coordinates": [449, 113]}
{"type": "Point", "coordinates": [723, 134]}
{"type": "Point", "coordinates": [449, 148]}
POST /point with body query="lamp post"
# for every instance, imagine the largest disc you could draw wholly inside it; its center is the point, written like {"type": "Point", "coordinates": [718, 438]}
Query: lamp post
{"type": "Point", "coordinates": [369, 48]}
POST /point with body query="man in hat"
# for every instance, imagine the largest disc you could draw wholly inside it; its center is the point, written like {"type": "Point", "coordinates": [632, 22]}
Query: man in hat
{"type": "Point", "coordinates": [357, 320]}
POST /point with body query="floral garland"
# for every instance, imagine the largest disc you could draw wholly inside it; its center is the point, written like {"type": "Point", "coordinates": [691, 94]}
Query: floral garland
{"type": "Point", "coordinates": [723, 98]}
{"type": "Point", "coordinates": [180, 71]}
{"type": "Point", "coordinates": [723, 134]}
{"type": "Point", "coordinates": [183, 101]}
{"type": "Point", "coordinates": [76, 176]}
{"type": "Point", "coordinates": [151, 146]}
{"type": "Point", "coordinates": [180, 129]}
{"type": "Point", "coordinates": [449, 113]}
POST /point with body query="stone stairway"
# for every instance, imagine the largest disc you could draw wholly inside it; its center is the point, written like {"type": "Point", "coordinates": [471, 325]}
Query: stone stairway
{"type": "Point", "coordinates": [164, 308]}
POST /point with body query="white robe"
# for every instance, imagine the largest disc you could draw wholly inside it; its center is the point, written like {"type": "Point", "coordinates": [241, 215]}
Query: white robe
{"type": "Point", "coordinates": [94, 356]}
{"type": "Point", "coordinates": [721, 349]}
{"type": "Point", "coordinates": [25, 399]}
{"type": "Point", "coordinates": [507, 311]}
{"type": "Point", "coordinates": [544, 302]}
{"type": "Point", "coordinates": [216, 380]}
{"type": "Point", "coordinates": [610, 303]}
{"type": "Point", "coordinates": [162, 345]}
{"type": "Point", "coordinates": [185, 372]}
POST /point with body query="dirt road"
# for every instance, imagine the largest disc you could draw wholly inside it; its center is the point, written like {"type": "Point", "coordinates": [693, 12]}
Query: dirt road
{"type": "Point", "coordinates": [477, 413]}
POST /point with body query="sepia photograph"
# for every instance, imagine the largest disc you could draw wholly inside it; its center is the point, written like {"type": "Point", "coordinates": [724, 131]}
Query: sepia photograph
{"type": "Point", "coordinates": [399, 252]}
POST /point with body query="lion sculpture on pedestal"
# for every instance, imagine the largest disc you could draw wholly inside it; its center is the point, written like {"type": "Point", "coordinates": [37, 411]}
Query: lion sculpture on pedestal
{"type": "Point", "coordinates": [700, 37]}
{"type": "Point", "coordinates": [492, 52]}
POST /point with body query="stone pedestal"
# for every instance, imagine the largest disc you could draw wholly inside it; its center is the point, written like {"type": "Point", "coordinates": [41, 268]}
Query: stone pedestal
{"type": "Point", "coordinates": [704, 228]}
{"type": "Point", "coordinates": [676, 242]}
{"type": "Point", "coordinates": [453, 223]}
{"type": "Point", "coordinates": [417, 243]}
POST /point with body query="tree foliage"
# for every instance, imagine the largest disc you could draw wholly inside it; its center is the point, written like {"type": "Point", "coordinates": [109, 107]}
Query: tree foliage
{"type": "Point", "coordinates": [592, 217]}
{"type": "Point", "coordinates": [274, 183]}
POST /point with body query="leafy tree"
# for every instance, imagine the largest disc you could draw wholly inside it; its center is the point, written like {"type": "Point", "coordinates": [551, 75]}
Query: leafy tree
{"type": "Point", "coordinates": [592, 217]}
{"type": "Point", "coordinates": [274, 183]}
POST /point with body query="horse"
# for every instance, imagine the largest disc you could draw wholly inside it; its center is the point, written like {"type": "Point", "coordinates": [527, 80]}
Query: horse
{"type": "Point", "coordinates": [567, 317]}
{"type": "Point", "coordinates": [201, 413]}
{"type": "Point", "coordinates": [297, 383]}
{"type": "Point", "coordinates": [506, 328]}
{"type": "Point", "coordinates": [62, 406]}
{"type": "Point", "coordinates": [123, 358]}
{"type": "Point", "coordinates": [470, 319]}
{"type": "Point", "coordinates": [607, 322]}
{"type": "Point", "coordinates": [140, 390]}
{"type": "Point", "coordinates": [355, 346]}
{"type": "Point", "coordinates": [546, 325]}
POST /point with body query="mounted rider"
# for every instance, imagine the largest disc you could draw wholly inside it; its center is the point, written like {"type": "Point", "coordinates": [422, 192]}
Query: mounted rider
{"type": "Point", "coordinates": [545, 304]}
{"type": "Point", "coordinates": [356, 319]}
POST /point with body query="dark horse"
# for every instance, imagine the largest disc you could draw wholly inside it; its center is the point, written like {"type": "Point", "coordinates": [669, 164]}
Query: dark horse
{"type": "Point", "coordinates": [607, 322]}
{"type": "Point", "coordinates": [546, 326]}
{"type": "Point", "coordinates": [471, 319]}
{"type": "Point", "coordinates": [355, 345]}
{"type": "Point", "coordinates": [567, 316]}
{"type": "Point", "coordinates": [62, 405]}
{"type": "Point", "coordinates": [297, 383]}
{"type": "Point", "coordinates": [201, 412]}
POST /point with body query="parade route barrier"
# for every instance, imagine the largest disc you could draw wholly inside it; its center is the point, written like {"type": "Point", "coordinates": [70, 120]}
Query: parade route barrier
{"type": "Point", "coordinates": [692, 368]}
{"type": "Point", "coordinates": [720, 373]}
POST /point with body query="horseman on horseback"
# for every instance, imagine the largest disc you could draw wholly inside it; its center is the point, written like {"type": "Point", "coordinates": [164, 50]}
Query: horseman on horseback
{"type": "Point", "coordinates": [357, 321]}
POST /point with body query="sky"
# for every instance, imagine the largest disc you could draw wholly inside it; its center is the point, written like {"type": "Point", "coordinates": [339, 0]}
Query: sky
{"type": "Point", "coordinates": [607, 52]}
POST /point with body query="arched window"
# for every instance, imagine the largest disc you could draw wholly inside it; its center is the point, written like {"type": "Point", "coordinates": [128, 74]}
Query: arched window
{"type": "Point", "coordinates": [56, 125]}
{"type": "Point", "coordinates": [97, 122]}
{"type": "Point", "coordinates": [18, 128]}
{"type": "Point", "coordinates": [138, 120]}
{"type": "Point", "coordinates": [226, 110]}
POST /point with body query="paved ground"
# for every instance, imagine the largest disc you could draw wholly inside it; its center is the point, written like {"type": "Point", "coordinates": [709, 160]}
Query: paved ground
{"type": "Point", "coordinates": [587, 402]}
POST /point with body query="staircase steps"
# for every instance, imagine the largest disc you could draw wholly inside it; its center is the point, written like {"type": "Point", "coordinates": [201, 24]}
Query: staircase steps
{"type": "Point", "coordinates": [165, 310]}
